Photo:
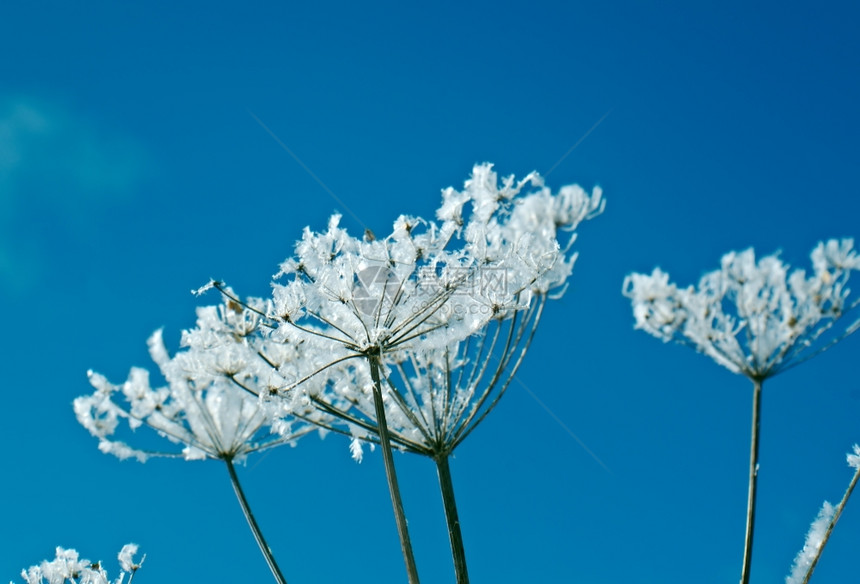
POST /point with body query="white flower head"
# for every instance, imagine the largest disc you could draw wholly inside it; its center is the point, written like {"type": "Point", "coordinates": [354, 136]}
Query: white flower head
{"type": "Point", "coordinates": [203, 407]}
{"type": "Point", "coordinates": [752, 316]}
{"type": "Point", "coordinates": [429, 283]}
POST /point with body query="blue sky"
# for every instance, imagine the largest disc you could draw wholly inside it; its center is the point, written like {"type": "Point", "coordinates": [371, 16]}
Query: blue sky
{"type": "Point", "coordinates": [132, 169]}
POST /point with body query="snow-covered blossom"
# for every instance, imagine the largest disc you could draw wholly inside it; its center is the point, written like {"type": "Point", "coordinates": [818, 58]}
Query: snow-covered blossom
{"type": "Point", "coordinates": [410, 304]}
{"type": "Point", "coordinates": [203, 406]}
{"type": "Point", "coordinates": [812, 546]}
{"type": "Point", "coordinates": [429, 283]}
{"type": "Point", "coordinates": [69, 567]}
{"type": "Point", "coordinates": [753, 317]}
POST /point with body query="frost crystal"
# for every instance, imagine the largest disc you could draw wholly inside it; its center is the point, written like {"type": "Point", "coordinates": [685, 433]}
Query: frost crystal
{"type": "Point", "coordinates": [752, 317]}
{"type": "Point", "coordinates": [854, 459]}
{"type": "Point", "coordinates": [812, 546]}
{"type": "Point", "coordinates": [126, 557]}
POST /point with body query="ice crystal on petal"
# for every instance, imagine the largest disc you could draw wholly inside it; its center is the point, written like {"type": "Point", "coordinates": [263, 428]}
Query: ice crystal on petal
{"type": "Point", "coordinates": [752, 316]}
{"type": "Point", "coordinates": [203, 289]}
{"type": "Point", "coordinates": [356, 450]}
{"type": "Point", "coordinates": [126, 558]}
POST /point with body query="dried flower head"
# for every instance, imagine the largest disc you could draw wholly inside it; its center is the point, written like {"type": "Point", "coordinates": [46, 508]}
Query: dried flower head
{"type": "Point", "coordinates": [446, 310]}
{"type": "Point", "coordinates": [752, 317]}
{"type": "Point", "coordinates": [201, 407]}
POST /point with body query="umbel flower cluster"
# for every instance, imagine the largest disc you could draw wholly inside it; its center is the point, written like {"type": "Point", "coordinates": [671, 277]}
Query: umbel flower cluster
{"type": "Point", "coordinates": [406, 341]}
{"type": "Point", "coordinates": [752, 317]}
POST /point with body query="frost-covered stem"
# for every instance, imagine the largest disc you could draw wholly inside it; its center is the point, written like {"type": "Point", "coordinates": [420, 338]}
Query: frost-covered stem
{"type": "Point", "coordinates": [252, 523]}
{"type": "Point", "coordinates": [831, 525]}
{"type": "Point", "coordinates": [756, 425]}
{"type": "Point", "coordinates": [454, 534]}
{"type": "Point", "coordinates": [391, 475]}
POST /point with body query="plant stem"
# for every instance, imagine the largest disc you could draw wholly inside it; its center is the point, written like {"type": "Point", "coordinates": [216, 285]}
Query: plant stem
{"type": "Point", "coordinates": [391, 475]}
{"type": "Point", "coordinates": [756, 426]}
{"type": "Point", "coordinates": [252, 523]}
{"type": "Point", "coordinates": [832, 524]}
{"type": "Point", "coordinates": [454, 534]}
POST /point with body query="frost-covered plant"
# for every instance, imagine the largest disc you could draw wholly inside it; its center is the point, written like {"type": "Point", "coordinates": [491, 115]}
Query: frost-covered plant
{"type": "Point", "coordinates": [69, 567]}
{"type": "Point", "coordinates": [437, 394]}
{"type": "Point", "coordinates": [199, 408]}
{"type": "Point", "coordinates": [754, 318]}
{"type": "Point", "coordinates": [408, 339]}
{"type": "Point", "coordinates": [399, 318]}
{"type": "Point", "coordinates": [821, 528]}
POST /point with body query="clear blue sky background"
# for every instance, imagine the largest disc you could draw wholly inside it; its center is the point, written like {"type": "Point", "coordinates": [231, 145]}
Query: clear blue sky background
{"type": "Point", "coordinates": [132, 170]}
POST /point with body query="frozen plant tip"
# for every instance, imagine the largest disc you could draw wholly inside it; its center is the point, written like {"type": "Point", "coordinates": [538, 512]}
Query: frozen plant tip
{"type": "Point", "coordinates": [821, 528]}
{"type": "Point", "coordinates": [68, 567]}
{"type": "Point", "coordinates": [754, 318]}
{"type": "Point", "coordinates": [803, 563]}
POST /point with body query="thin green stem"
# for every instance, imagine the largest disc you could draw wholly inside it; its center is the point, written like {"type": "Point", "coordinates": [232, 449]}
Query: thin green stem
{"type": "Point", "coordinates": [458, 553]}
{"type": "Point", "coordinates": [831, 525]}
{"type": "Point", "coordinates": [391, 475]}
{"type": "Point", "coordinates": [754, 440]}
{"type": "Point", "coordinates": [252, 523]}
